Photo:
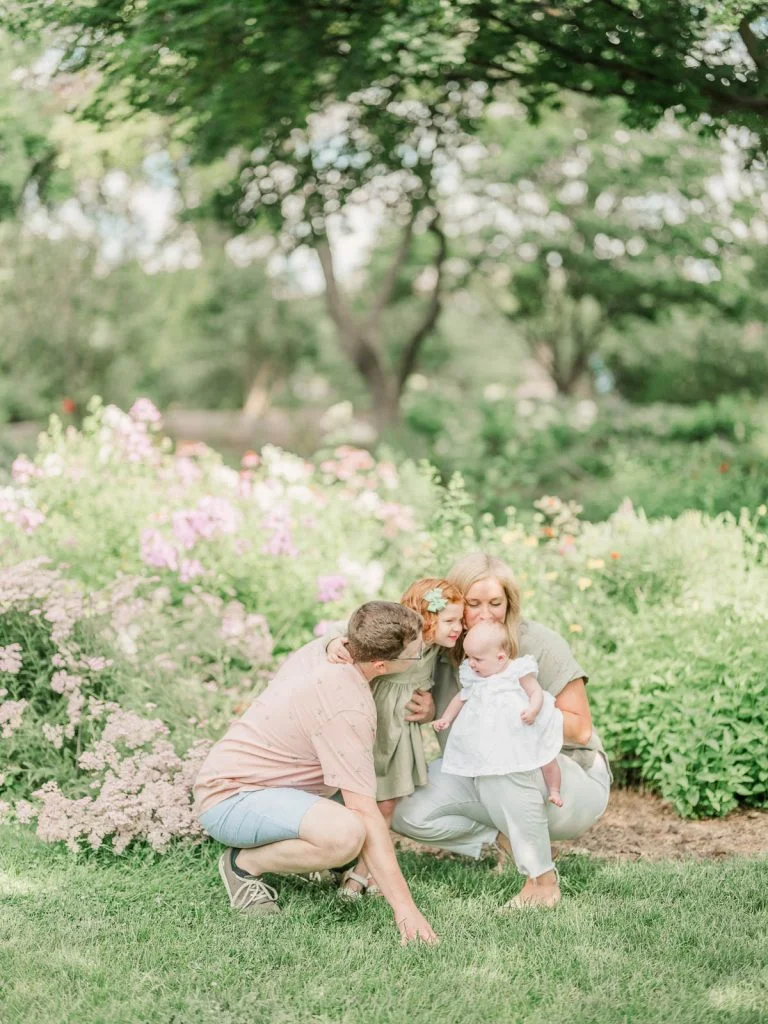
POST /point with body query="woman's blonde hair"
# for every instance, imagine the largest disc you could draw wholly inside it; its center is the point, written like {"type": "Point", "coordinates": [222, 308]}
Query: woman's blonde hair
{"type": "Point", "coordinates": [476, 566]}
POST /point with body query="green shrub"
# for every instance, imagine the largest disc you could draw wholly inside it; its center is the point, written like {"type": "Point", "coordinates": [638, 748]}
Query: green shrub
{"type": "Point", "coordinates": [143, 593]}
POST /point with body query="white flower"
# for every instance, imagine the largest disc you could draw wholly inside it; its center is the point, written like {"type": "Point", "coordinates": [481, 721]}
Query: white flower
{"type": "Point", "coordinates": [368, 501]}
{"type": "Point", "coordinates": [285, 466]}
{"type": "Point", "coordinates": [53, 464]}
{"type": "Point", "coordinates": [366, 578]}
{"type": "Point", "coordinates": [226, 476]}
{"type": "Point", "coordinates": [300, 494]}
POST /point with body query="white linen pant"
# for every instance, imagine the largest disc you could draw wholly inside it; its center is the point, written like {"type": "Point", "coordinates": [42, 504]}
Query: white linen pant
{"type": "Point", "coordinates": [460, 814]}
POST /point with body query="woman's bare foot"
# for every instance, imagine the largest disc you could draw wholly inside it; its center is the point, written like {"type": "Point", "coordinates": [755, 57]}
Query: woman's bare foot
{"type": "Point", "coordinates": [543, 891]}
{"type": "Point", "coordinates": [555, 798]}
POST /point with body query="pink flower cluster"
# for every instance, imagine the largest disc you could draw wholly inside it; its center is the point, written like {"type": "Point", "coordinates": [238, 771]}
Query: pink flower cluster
{"type": "Point", "coordinates": [141, 786]}
{"type": "Point", "coordinates": [11, 712]}
{"type": "Point", "coordinates": [126, 439]}
{"type": "Point", "coordinates": [330, 588]}
{"type": "Point", "coordinates": [11, 659]}
{"type": "Point", "coordinates": [248, 631]}
{"type": "Point", "coordinates": [348, 462]}
{"type": "Point", "coordinates": [43, 592]}
{"type": "Point", "coordinates": [144, 410]}
{"type": "Point", "coordinates": [23, 471]}
{"type": "Point", "coordinates": [144, 795]}
{"type": "Point", "coordinates": [396, 518]}
{"type": "Point", "coordinates": [357, 468]}
{"type": "Point", "coordinates": [280, 541]}
{"type": "Point", "coordinates": [211, 517]}
{"type": "Point", "coordinates": [158, 552]}
{"type": "Point", "coordinates": [17, 506]}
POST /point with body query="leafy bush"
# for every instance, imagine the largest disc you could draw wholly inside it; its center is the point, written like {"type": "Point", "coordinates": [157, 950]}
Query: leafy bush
{"type": "Point", "coordinates": [145, 594]}
{"type": "Point", "coordinates": [688, 359]}
{"type": "Point", "coordinates": [666, 459]}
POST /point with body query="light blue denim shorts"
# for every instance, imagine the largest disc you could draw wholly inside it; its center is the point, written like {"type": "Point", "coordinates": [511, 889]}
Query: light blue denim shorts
{"type": "Point", "coordinates": [258, 818]}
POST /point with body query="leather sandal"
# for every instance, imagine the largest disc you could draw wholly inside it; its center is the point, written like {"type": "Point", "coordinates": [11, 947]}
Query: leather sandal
{"type": "Point", "coordinates": [352, 876]}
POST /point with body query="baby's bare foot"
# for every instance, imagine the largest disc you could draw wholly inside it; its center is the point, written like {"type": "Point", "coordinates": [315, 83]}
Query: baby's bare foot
{"type": "Point", "coordinates": [555, 798]}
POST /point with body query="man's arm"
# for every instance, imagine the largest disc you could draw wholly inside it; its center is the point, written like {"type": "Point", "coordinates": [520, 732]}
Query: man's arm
{"type": "Point", "coordinates": [380, 859]}
{"type": "Point", "coordinates": [577, 718]}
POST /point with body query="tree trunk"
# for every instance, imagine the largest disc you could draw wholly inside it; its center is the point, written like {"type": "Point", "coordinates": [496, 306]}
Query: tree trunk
{"type": "Point", "coordinates": [257, 400]}
{"type": "Point", "coordinates": [359, 337]}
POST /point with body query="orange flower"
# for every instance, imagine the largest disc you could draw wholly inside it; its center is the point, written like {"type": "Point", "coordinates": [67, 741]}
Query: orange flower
{"type": "Point", "coordinates": [68, 406]}
{"type": "Point", "coordinates": [615, 555]}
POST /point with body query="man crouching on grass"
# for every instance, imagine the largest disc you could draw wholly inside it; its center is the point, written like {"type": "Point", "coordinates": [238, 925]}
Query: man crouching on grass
{"type": "Point", "coordinates": [263, 789]}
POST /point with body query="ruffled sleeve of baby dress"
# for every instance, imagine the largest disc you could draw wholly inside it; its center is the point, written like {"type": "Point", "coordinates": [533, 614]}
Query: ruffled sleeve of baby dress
{"type": "Point", "coordinates": [467, 679]}
{"type": "Point", "coordinates": [524, 666]}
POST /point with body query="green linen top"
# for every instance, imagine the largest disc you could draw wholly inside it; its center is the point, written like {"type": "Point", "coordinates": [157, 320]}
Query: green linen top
{"type": "Point", "coordinates": [557, 667]}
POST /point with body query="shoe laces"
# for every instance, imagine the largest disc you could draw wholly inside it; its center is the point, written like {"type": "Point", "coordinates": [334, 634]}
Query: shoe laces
{"type": "Point", "coordinates": [254, 890]}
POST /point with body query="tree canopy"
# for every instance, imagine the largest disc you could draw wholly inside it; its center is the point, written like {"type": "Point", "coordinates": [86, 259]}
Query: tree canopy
{"type": "Point", "coordinates": [248, 72]}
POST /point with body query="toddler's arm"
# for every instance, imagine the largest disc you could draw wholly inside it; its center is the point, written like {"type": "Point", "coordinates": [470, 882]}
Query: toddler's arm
{"type": "Point", "coordinates": [335, 640]}
{"type": "Point", "coordinates": [449, 715]}
{"type": "Point", "coordinates": [535, 694]}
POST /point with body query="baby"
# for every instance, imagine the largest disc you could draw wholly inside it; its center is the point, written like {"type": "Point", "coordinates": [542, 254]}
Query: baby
{"type": "Point", "coordinates": [503, 722]}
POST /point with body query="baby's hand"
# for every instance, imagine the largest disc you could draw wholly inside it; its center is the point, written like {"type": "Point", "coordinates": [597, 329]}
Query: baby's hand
{"type": "Point", "coordinates": [337, 652]}
{"type": "Point", "coordinates": [440, 723]}
{"type": "Point", "coordinates": [528, 716]}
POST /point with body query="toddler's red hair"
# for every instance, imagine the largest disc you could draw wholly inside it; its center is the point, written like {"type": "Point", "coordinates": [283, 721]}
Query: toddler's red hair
{"type": "Point", "coordinates": [414, 598]}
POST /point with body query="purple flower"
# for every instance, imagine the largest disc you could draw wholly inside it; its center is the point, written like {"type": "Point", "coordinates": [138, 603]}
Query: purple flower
{"type": "Point", "coordinates": [190, 569]}
{"type": "Point", "coordinates": [157, 552]}
{"type": "Point", "coordinates": [330, 588]}
{"type": "Point", "coordinates": [144, 410]}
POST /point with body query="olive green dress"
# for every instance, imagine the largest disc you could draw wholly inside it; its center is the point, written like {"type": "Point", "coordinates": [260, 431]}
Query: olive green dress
{"type": "Point", "coordinates": [398, 751]}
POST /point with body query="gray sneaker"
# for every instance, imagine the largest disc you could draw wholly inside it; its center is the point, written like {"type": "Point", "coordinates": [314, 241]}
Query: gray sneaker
{"type": "Point", "coordinates": [249, 895]}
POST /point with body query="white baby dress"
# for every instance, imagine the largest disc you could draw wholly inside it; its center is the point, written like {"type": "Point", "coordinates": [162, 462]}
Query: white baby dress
{"type": "Point", "coordinates": [489, 737]}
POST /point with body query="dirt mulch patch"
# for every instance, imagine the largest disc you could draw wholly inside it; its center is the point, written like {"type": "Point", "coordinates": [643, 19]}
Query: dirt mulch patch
{"type": "Point", "coordinates": [640, 826]}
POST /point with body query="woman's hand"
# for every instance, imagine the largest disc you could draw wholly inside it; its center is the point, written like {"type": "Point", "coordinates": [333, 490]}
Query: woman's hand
{"type": "Point", "coordinates": [337, 652]}
{"type": "Point", "coordinates": [420, 708]}
{"type": "Point", "coordinates": [414, 927]}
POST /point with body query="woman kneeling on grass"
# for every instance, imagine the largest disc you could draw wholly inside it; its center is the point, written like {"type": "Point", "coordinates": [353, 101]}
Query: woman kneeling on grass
{"type": "Point", "coordinates": [511, 813]}
{"type": "Point", "coordinates": [263, 789]}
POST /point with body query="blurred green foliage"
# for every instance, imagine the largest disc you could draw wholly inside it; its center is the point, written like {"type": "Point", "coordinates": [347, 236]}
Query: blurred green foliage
{"type": "Point", "coordinates": [665, 458]}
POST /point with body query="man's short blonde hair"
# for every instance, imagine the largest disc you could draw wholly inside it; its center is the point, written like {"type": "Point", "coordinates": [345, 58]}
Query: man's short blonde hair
{"type": "Point", "coordinates": [381, 630]}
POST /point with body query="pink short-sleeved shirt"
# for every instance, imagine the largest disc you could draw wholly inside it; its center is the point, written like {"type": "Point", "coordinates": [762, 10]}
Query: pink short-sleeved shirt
{"type": "Point", "coordinates": [312, 728]}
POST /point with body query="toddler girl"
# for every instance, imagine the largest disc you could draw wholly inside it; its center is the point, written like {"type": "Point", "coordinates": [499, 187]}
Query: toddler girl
{"type": "Point", "coordinates": [398, 751]}
{"type": "Point", "coordinates": [503, 722]}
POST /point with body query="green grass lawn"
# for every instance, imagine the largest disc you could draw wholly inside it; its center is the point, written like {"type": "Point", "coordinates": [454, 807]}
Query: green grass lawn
{"type": "Point", "coordinates": [151, 940]}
